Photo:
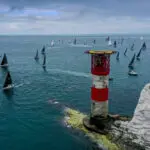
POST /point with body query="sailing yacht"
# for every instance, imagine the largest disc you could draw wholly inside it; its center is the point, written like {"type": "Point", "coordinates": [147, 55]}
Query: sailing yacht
{"type": "Point", "coordinates": [132, 62]}
{"type": "Point", "coordinates": [8, 82]}
{"type": "Point", "coordinates": [4, 62]}
{"type": "Point", "coordinates": [132, 73]}
{"type": "Point", "coordinates": [37, 55]}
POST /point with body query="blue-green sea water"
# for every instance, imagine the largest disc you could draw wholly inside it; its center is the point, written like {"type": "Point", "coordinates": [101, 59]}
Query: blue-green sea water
{"type": "Point", "coordinates": [28, 121]}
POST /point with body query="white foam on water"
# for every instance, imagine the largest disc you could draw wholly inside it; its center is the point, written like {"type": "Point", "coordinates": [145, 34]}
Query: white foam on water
{"type": "Point", "coordinates": [80, 45]}
{"type": "Point", "coordinates": [19, 85]}
{"type": "Point", "coordinates": [74, 73]}
{"type": "Point", "coordinates": [54, 47]}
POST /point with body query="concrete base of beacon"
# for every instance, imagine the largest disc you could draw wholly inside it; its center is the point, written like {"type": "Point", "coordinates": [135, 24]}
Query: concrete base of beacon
{"type": "Point", "coordinates": [101, 125]}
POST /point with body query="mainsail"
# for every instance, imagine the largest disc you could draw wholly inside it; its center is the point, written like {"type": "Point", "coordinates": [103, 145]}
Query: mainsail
{"type": "Point", "coordinates": [8, 80]}
{"type": "Point", "coordinates": [115, 44]}
{"type": "Point", "coordinates": [109, 43]}
{"type": "Point", "coordinates": [94, 41]}
{"type": "Point", "coordinates": [43, 50]}
{"type": "Point", "coordinates": [117, 57]}
{"type": "Point", "coordinates": [52, 43]}
{"type": "Point", "coordinates": [44, 61]}
{"type": "Point", "coordinates": [132, 47]}
{"type": "Point", "coordinates": [37, 55]}
{"type": "Point", "coordinates": [144, 46]}
{"type": "Point", "coordinates": [132, 61]}
{"type": "Point", "coordinates": [75, 42]}
{"type": "Point", "coordinates": [107, 39]}
{"type": "Point", "coordinates": [4, 60]}
{"type": "Point", "coordinates": [139, 53]}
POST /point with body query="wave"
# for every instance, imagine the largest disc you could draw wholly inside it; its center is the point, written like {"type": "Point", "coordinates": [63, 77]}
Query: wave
{"type": "Point", "coordinates": [74, 73]}
{"type": "Point", "coordinates": [54, 47]}
{"type": "Point", "coordinates": [21, 84]}
{"type": "Point", "coordinates": [80, 45]}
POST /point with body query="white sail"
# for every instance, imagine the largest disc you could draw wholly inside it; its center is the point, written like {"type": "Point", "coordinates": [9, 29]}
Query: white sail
{"type": "Point", "coordinates": [109, 43]}
{"type": "Point", "coordinates": [52, 43]}
{"type": "Point", "coordinates": [141, 38]}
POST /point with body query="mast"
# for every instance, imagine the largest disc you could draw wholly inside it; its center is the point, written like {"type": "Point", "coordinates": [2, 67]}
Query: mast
{"type": "Point", "coordinates": [132, 61]}
{"type": "Point", "coordinates": [8, 80]}
{"type": "Point", "coordinates": [4, 60]}
{"type": "Point", "coordinates": [125, 52]}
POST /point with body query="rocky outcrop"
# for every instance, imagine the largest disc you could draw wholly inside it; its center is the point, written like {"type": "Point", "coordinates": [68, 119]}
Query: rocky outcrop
{"type": "Point", "coordinates": [123, 135]}
{"type": "Point", "coordinates": [140, 123]}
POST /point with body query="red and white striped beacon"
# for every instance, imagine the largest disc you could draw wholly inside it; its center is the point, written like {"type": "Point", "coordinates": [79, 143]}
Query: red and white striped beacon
{"type": "Point", "coordinates": [100, 69]}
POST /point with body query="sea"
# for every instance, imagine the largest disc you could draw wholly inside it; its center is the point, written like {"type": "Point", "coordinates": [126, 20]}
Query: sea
{"type": "Point", "coordinates": [28, 121]}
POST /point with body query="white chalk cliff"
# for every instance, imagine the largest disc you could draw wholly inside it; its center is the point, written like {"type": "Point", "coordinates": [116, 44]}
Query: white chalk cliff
{"type": "Point", "coordinates": [140, 123]}
{"type": "Point", "coordinates": [139, 126]}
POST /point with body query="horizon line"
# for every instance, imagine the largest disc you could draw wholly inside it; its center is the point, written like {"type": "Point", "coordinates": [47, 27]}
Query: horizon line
{"type": "Point", "coordinates": [99, 34]}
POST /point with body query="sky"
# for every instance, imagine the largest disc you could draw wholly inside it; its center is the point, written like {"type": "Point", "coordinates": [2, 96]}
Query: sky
{"type": "Point", "coordinates": [74, 16]}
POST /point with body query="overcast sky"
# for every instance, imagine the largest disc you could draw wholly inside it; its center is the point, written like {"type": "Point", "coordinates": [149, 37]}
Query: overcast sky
{"type": "Point", "coordinates": [74, 16]}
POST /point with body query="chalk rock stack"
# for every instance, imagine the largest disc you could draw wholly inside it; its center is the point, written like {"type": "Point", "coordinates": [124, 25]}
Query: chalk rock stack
{"type": "Point", "coordinates": [140, 123]}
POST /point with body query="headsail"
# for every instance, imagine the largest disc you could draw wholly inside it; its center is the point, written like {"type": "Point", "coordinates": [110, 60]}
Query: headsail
{"type": "Point", "coordinates": [139, 53]}
{"type": "Point", "coordinates": [125, 52]}
{"type": "Point", "coordinates": [37, 55]}
{"type": "Point", "coordinates": [8, 80]}
{"type": "Point", "coordinates": [4, 60]}
{"type": "Point", "coordinates": [132, 61]}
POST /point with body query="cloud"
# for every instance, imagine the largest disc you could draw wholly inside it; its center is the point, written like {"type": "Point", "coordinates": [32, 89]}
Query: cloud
{"type": "Point", "coordinates": [74, 17]}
